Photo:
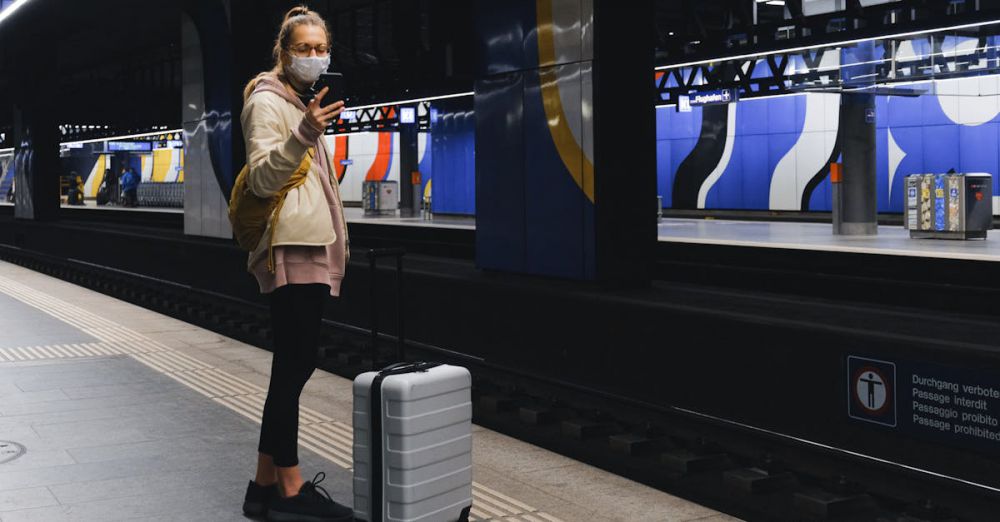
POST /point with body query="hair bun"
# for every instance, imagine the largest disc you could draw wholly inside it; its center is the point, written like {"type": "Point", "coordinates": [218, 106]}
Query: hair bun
{"type": "Point", "coordinates": [296, 11]}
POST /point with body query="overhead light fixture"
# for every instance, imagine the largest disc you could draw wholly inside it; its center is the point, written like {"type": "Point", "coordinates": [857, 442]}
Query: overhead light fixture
{"type": "Point", "coordinates": [6, 13]}
{"type": "Point", "coordinates": [776, 2]}
{"type": "Point", "coordinates": [416, 100]}
{"type": "Point", "coordinates": [356, 133]}
{"type": "Point", "coordinates": [132, 136]}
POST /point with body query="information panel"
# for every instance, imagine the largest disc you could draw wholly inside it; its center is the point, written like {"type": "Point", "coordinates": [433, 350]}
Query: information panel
{"type": "Point", "coordinates": [957, 406]}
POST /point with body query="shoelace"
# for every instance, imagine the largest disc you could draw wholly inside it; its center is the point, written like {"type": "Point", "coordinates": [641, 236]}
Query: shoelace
{"type": "Point", "coordinates": [315, 489]}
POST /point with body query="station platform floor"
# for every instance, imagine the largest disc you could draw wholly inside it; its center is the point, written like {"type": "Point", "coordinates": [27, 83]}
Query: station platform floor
{"type": "Point", "coordinates": [890, 240]}
{"type": "Point", "coordinates": [110, 412]}
{"type": "Point", "coordinates": [357, 215]}
{"type": "Point", "coordinates": [92, 205]}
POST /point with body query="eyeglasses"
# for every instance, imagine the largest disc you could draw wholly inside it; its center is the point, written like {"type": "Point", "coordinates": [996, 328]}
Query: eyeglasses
{"type": "Point", "coordinates": [306, 49]}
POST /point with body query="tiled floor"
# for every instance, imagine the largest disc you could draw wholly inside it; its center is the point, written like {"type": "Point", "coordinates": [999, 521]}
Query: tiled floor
{"type": "Point", "coordinates": [23, 325]}
{"type": "Point", "coordinates": [126, 414]}
{"type": "Point", "coordinates": [109, 438]}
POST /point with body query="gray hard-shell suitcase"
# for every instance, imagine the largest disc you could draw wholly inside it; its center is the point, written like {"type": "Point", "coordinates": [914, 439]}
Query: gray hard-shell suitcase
{"type": "Point", "coordinates": [413, 444]}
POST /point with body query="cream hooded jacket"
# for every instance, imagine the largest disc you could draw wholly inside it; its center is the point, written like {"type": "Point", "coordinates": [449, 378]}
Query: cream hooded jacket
{"type": "Point", "coordinates": [274, 152]}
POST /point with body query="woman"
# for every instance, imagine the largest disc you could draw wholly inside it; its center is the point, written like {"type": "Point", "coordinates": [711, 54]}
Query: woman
{"type": "Point", "coordinates": [308, 260]}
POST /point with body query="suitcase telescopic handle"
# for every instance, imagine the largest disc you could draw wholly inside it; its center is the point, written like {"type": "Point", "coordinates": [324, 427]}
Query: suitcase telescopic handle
{"type": "Point", "coordinates": [406, 367]}
{"type": "Point", "coordinates": [373, 255]}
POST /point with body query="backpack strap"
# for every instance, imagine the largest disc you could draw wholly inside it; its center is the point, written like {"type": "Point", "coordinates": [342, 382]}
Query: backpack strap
{"type": "Point", "coordinates": [297, 179]}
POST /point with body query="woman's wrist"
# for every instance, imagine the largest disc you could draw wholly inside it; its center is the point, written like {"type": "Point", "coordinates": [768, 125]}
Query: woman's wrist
{"type": "Point", "coordinates": [307, 133]}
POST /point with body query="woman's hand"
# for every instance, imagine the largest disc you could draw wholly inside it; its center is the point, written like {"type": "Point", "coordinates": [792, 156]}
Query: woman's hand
{"type": "Point", "coordinates": [321, 117]}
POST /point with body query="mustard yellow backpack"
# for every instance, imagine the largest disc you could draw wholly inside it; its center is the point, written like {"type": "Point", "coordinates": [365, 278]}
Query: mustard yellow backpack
{"type": "Point", "coordinates": [249, 213]}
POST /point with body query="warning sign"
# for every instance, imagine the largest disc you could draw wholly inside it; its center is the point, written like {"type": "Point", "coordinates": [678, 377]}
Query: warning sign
{"type": "Point", "coordinates": [959, 406]}
{"type": "Point", "coordinates": [872, 390]}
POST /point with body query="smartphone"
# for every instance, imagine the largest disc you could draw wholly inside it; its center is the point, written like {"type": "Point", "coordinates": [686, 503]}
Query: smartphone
{"type": "Point", "coordinates": [338, 87]}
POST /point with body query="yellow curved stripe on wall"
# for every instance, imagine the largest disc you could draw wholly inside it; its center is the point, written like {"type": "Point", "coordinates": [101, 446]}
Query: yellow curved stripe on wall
{"type": "Point", "coordinates": [566, 144]}
{"type": "Point", "coordinates": [97, 175]}
{"type": "Point", "coordinates": [161, 164]}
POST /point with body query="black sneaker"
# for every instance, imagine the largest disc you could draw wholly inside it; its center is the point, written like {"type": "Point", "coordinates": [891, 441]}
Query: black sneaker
{"type": "Point", "coordinates": [258, 499]}
{"type": "Point", "coordinates": [312, 504]}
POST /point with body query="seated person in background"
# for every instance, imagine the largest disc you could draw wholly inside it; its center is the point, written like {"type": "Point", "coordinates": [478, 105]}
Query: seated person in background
{"type": "Point", "coordinates": [130, 186]}
{"type": "Point", "coordinates": [79, 189]}
{"type": "Point", "coordinates": [75, 196]}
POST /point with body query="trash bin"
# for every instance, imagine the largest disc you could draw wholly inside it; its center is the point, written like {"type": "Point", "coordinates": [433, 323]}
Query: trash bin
{"type": "Point", "coordinates": [380, 198]}
{"type": "Point", "coordinates": [949, 206]}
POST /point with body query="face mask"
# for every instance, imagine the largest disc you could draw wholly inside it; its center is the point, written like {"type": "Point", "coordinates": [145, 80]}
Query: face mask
{"type": "Point", "coordinates": [307, 70]}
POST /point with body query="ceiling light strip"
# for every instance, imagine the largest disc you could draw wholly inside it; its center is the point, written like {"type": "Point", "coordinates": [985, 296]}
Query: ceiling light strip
{"type": "Point", "coordinates": [831, 44]}
{"type": "Point", "coordinates": [6, 13]}
{"type": "Point", "coordinates": [112, 138]}
{"type": "Point", "coordinates": [415, 100]}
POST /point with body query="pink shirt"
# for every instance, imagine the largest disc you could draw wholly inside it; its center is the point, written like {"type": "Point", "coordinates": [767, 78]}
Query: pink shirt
{"type": "Point", "coordinates": [301, 265]}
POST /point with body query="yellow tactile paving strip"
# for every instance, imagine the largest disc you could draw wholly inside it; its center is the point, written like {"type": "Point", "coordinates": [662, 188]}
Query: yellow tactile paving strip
{"type": "Point", "coordinates": [329, 438]}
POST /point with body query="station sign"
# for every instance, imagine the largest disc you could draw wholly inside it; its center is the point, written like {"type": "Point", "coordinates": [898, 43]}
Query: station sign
{"type": "Point", "coordinates": [130, 146]}
{"type": "Point", "coordinates": [699, 99]}
{"type": "Point", "coordinates": [407, 115]}
{"type": "Point", "coordinates": [169, 144]}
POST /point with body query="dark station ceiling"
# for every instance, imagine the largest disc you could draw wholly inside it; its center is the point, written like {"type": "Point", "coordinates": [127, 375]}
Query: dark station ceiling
{"type": "Point", "coordinates": [119, 63]}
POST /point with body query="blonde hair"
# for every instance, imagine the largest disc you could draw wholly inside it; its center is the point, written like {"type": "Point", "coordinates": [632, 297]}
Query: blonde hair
{"type": "Point", "coordinates": [296, 16]}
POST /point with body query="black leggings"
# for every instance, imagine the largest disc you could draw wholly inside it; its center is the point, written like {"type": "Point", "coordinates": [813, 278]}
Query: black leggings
{"type": "Point", "coordinates": [296, 315]}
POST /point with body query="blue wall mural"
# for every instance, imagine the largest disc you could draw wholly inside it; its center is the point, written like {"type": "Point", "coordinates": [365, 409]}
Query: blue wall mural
{"type": "Point", "coordinates": [773, 153]}
{"type": "Point", "coordinates": [764, 149]}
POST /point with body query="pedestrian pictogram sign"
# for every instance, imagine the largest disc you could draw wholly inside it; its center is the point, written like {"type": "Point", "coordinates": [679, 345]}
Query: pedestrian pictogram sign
{"type": "Point", "coordinates": [871, 390]}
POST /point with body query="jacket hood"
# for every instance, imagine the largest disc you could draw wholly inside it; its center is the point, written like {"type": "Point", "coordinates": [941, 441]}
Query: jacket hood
{"type": "Point", "coordinates": [271, 83]}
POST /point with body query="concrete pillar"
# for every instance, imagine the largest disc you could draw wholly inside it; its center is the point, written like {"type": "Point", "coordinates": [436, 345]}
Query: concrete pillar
{"type": "Point", "coordinates": [36, 136]}
{"type": "Point", "coordinates": [858, 208]}
{"type": "Point", "coordinates": [857, 211]}
{"type": "Point", "coordinates": [207, 108]}
{"type": "Point", "coordinates": [409, 159]}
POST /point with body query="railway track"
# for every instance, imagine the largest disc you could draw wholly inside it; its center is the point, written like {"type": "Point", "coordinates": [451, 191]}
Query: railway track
{"type": "Point", "coordinates": [741, 470]}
